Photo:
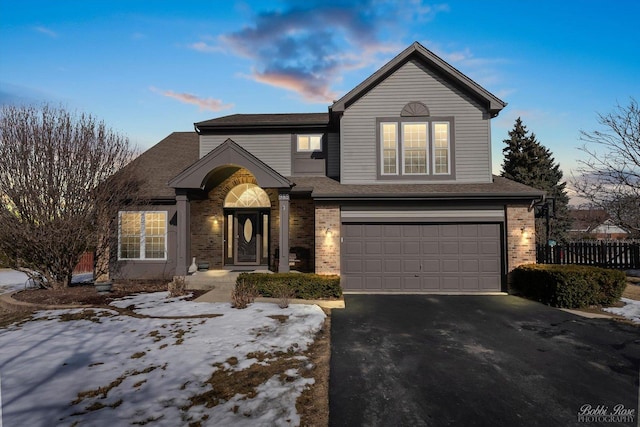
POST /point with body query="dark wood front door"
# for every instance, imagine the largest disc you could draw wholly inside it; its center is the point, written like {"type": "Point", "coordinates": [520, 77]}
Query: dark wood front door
{"type": "Point", "coordinates": [246, 238]}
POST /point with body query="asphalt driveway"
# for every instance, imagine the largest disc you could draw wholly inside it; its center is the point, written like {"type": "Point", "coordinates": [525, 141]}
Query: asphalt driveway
{"type": "Point", "coordinates": [412, 360]}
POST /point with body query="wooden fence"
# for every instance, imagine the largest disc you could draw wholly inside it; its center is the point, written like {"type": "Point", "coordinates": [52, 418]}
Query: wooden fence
{"type": "Point", "coordinates": [600, 253]}
{"type": "Point", "coordinates": [85, 265]}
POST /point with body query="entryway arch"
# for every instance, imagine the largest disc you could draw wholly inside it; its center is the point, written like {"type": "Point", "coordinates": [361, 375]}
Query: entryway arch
{"type": "Point", "coordinates": [246, 228]}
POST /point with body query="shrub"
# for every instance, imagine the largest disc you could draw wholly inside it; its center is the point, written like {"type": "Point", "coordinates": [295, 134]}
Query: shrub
{"type": "Point", "coordinates": [568, 286]}
{"type": "Point", "coordinates": [243, 294]}
{"type": "Point", "coordinates": [177, 287]}
{"type": "Point", "coordinates": [301, 285]}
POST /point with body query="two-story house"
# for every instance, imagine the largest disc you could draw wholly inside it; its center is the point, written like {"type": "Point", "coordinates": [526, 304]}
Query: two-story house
{"type": "Point", "coordinates": [391, 188]}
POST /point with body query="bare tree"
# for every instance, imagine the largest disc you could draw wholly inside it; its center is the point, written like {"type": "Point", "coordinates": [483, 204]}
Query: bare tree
{"type": "Point", "coordinates": [61, 188]}
{"type": "Point", "coordinates": [610, 176]}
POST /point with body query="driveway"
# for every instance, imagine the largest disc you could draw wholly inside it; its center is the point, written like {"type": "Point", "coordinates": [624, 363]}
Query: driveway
{"type": "Point", "coordinates": [412, 360]}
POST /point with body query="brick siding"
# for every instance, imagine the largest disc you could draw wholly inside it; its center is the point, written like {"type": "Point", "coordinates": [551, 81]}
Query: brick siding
{"type": "Point", "coordinates": [521, 236]}
{"type": "Point", "coordinates": [327, 244]}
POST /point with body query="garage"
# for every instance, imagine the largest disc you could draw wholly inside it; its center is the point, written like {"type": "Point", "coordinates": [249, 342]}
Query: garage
{"type": "Point", "coordinates": [464, 257]}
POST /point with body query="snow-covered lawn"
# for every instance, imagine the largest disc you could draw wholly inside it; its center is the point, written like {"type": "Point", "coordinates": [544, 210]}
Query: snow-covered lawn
{"type": "Point", "coordinates": [12, 280]}
{"type": "Point", "coordinates": [631, 310]}
{"type": "Point", "coordinates": [104, 368]}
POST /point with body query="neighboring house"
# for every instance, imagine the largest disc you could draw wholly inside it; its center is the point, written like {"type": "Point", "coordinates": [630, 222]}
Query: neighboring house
{"type": "Point", "coordinates": [594, 224]}
{"type": "Point", "coordinates": [391, 189]}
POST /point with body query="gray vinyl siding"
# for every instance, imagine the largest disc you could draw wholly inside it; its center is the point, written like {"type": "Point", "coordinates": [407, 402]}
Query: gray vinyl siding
{"type": "Point", "coordinates": [273, 149]}
{"type": "Point", "coordinates": [333, 155]}
{"type": "Point", "coordinates": [413, 82]}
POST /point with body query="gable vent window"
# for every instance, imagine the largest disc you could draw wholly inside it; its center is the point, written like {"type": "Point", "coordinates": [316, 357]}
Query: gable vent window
{"type": "Point", "coordinates": [309, 143]}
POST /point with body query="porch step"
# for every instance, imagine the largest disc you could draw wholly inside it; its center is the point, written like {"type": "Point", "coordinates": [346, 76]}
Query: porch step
{"type": "Point", "coordinates": [223, 280]}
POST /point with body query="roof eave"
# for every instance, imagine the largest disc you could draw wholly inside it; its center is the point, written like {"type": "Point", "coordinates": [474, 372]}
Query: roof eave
{"type": "Point", "coordinates": [436, 197]}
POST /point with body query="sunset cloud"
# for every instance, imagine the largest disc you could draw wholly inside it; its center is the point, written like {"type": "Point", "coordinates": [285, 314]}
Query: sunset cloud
{"type": "Point", "coordinates": [307, 46]}
{"type": "Point", "coordinates": [210, 104]}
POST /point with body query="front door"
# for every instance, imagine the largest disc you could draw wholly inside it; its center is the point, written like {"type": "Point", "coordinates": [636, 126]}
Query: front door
{"type": "Point", "coordinates": [246, 237]}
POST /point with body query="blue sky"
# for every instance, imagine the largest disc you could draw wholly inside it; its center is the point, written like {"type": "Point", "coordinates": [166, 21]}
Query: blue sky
{"type": "Point", "coordinates": [150, 68]}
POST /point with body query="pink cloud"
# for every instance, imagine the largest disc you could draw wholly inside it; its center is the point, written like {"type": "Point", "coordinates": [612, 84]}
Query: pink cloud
{"type": "Point", "coordinates": [210, 104]}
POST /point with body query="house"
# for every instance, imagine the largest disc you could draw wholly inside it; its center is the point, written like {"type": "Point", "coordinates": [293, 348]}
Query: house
{"type": "Point", "coordinates": [391, 188]}
{"type": "Point", "coordinates": [594, 224]}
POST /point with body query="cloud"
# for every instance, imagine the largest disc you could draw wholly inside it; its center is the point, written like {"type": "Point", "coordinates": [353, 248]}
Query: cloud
{"type": "Point", "coordinates": [210, 104]}
{"type": "Point", "coordinates": [205, 47]}
{"type": "Point", "coordinates": [307, 46]}
{"type": "Point", "coordinates": [46, 31]}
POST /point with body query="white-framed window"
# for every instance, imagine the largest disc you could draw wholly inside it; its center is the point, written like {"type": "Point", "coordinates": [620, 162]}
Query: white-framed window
{"type": "Point", "coordinates": [441, 148]}
{"type": "Point", "coordinates": [389, 148]}
{"type": "Point", "coordinates": [414, 148]}
{"type": "Point", "coordinates": [142, 235]}
{"type": "Point", "coordinates": [309, 143]}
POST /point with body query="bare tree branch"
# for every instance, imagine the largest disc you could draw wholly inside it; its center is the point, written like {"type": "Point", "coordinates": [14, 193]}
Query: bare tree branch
{"type": "Point", "coordinates": [609, 178]}
{"type": "Point", "coordinates": [60, 188]}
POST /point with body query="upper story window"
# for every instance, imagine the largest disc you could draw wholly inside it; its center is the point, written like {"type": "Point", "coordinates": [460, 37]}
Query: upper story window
{"type": "Point", "coordinates": [142, 235]}
{"type": "Point", "coordinates": [309, 143]}
{"type": "Point", "coordinates": [414, 147]}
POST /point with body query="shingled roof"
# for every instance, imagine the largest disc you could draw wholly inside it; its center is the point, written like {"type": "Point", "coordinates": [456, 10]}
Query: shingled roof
{"type": "Point", "coordinates": [265, 121]}
{"type": "Point", "coordinates": [165, 160]}
{"type": "Point", "coordinates": [329, 189]}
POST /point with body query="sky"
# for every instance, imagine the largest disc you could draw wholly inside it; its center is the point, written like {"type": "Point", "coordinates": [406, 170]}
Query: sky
{"type": "Point", "coordinates": [150, 68]}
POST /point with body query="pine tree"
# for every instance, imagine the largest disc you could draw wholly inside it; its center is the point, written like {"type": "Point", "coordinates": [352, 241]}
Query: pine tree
{"type": "Point", "coordinates": [529, 162]}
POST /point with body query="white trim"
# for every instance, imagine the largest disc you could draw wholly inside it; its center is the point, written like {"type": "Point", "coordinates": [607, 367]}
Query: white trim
{"type": "Point", "coordinates": [381, 145]}
{"type": "Point", "coordinates": [422, 215]}
{"type": "Point", "coordinates": [309, 150]}
{"type": "Point", "coordinates": [404, 148]}
{"type": "Point", "coordinates": [143, 235]}
{"type": "Point", "coordinates": [433, 146]}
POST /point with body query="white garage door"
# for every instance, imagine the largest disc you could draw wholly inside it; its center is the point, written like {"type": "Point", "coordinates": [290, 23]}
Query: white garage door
{"type": "Point", "coordinates": [421, 257]}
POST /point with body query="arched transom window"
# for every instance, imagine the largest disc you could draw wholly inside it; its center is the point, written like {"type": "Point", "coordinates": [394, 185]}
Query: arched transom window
{"type": "Point", "coordinates": [247, 196]}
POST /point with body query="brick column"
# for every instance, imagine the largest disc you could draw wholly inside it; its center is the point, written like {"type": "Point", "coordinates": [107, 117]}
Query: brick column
{"type": "Point", "coordinates": [521, 236]}
{"type": "Point", "coordinates": [328, 239]}
{"type": "Point", "coordinates": [283, 262]}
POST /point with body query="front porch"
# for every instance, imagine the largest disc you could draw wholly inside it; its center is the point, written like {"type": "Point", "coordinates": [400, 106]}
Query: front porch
{"type": "Point", "coordinates": [236, 213]}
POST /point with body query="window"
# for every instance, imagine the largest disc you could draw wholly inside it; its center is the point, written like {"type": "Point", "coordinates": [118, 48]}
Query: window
{"type": "Point", "coordinates": [441, 158]}
{"type": "Point", "coordinates": [415, 146]}
{"type": "Point", "coordinates": [389, 133]}
{"type": "Point", "coordinates": [142, 235]}
{"type": "Point", "coordinates": [309, 143]}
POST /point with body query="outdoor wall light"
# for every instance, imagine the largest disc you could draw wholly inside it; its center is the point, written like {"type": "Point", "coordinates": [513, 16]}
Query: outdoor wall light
{"type": "Point", "coordinates": [523, 229]}
{"type": "Point", "coordinates": [328, 231]}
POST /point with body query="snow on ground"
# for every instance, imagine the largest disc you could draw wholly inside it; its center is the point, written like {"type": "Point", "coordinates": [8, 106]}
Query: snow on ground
{"type": "Point", "coordinates": [149, 367]}
{"type": "Point", "coordinates": [631, 310]}
{"type": "Point", "coordinates": [12, 280]}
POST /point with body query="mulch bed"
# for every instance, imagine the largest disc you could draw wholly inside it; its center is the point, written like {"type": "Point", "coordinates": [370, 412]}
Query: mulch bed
{"type": "Point", "coordinates": [85, 294]}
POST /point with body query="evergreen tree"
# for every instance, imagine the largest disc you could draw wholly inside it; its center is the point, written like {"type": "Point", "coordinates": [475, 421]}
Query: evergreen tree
{"type": "Point", "coordinates": [529, 162]}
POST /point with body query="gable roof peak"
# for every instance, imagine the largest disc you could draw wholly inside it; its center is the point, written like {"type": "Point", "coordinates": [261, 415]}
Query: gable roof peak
{"type": "Point", "coordinates": [431, 60]}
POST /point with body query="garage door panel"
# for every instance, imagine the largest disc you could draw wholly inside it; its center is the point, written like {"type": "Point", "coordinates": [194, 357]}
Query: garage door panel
{"type": "Point", "coordinates": [422, 257]}
{"type": "Point", "coordinates": [412, 283]}
{"type": "Point", "coordinates": [392, 247]}
{"type": "Point", "coordinates": [469, 266]}
{"type": "Point", "coordinates": [411, 247]}
{"type": "Point", "coordinates": [392, 265]}
{"type": "Point", "coordinates": [392, 230]}
{"type": "Point", "coordinates": [469, 248]}
{"type": "Point", "coordinates": [392, 283]}
{"type": "Point", "coordinates": [470, 283]}
{"type": "Point", "coordinates": [353, 248]}
{"type": "Point", "coordinates": [372, 230]}
{"type": "Point", "coordinates": [373, 248]}
{"type": "Point", "coordinates": [373, 266]}
{"type": "Point", "coordinates": [448, 248]}
{"type": "Point", "coordinates": [411, 265]}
